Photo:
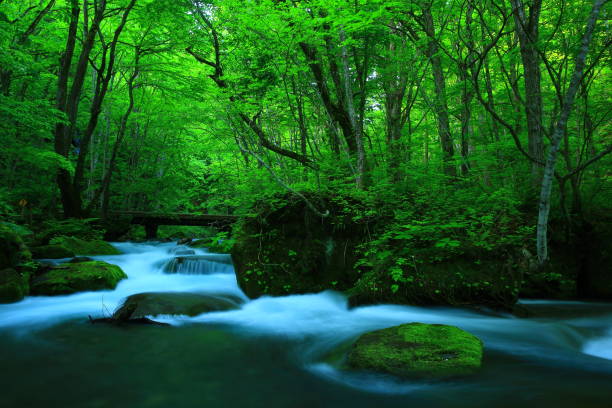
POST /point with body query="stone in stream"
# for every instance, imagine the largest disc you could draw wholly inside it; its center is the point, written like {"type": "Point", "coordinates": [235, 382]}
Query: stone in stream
{"type": "Point", "coordinates": [174, 303]}
{"type": "Point", "coordinates": [77, 277]}
{"type": "Point", "coordinates": [417, 350]}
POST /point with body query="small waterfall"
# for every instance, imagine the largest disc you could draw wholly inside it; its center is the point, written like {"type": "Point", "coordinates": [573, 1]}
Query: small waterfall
{"type": "Point", "coordinates": [206, 264]}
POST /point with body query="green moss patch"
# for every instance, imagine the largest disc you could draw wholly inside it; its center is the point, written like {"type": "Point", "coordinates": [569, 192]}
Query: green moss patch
{"type": "Point", "coordinates": [13, 286]}
{"type": "Point", "coordinates": [418, 350]}
{"type": "Point", "coordinates": [51, 252]}
{"type": "Point", "coordinates": [83, 247]}
{"type": "Point", "coordinates": [76, 277]}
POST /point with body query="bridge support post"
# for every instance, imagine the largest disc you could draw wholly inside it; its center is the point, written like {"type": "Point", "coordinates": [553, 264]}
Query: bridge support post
{"type": "Point", "coordinates": [151, 231]}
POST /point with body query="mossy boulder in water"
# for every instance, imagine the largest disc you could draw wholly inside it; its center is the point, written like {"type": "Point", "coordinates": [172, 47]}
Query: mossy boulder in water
{"type": "Point", "coordinates": [418, 350]}
{"type": "Point", "coordinates": [287, 248]}
{"type": "Point", "coordinates": [51, 252]}
{"type": "Point", "coordinates": [83, 247]}
{"type": "Point", "coordinates": [175, 303]}
{"type": "Point", "coordinates": [77, 277]}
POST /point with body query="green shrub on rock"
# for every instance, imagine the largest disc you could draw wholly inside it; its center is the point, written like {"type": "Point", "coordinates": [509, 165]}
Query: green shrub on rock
{"type": "Point", "coordinates": [77, 277]}
{"type": "Point", "coordinates": [418, 350]}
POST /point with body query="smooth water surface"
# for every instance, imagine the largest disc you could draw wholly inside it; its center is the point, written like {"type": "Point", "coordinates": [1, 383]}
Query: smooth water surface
{"type": "Point", "coordinates": [274, 352]}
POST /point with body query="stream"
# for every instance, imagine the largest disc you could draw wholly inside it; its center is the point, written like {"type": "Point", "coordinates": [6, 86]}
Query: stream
{"type": "Point", "coordinates": [274, 352]}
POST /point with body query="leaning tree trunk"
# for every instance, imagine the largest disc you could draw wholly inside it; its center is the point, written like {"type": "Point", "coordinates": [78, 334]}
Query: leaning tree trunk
{"type": "Point", "coordinates": [559, 131]}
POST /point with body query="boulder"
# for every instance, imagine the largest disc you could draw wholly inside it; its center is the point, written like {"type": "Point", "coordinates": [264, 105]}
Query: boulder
{"type": "Point", "coordinates": [77, 277]}
{"type": "Point", "coordinates": [13, 286]}
{"type": "Point", "coordinates": [286, 248]}
{"type": "Point", "coordinates": [13, 251]}
{"type": "Point", "coordinates": [15, 266]}
{"type": "Point", "coordinates": [174, 303]}
{"type": "Point", "coordinates": [83, 247]}
{"type": "Point", "coordinates": [417, 350]}
{"type": "Point", "coordinates": [51, 252]}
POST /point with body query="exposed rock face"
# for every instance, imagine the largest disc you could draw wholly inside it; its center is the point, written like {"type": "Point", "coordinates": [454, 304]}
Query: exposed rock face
{"type": "Point", "coordinates": [174, 303]}
{"type": "Point", "coordinates": [418, 350]}
{"type": "Point", "coordinates": [77, 277]}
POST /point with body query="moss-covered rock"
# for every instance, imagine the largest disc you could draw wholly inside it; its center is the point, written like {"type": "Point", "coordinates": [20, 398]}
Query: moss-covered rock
{"type": "Point", "coordinates": [83, 247]}
{"type": "Point", "coordinates": [176, 303]}
{"type": "Point", "coordinates": [461, 281]}
{"type": "Point", "coordinates": [76, 277]}
{"type": "Point", "coordinates": [51, 252]}
{"type": "Point", "coordinates": [13, 286]}
{"type": "Point", "coordinates": [13, 251]}
{"type": "Point", "coordinates": [418, 350]}
{"type": "Point", "coordinates": [15, 265]}
{"type": "Point", "coordinates": [287, 248]}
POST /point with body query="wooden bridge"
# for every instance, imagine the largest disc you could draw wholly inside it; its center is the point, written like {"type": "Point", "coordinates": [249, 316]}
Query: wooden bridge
{"type": "Point", "coordinates": [152, 221]}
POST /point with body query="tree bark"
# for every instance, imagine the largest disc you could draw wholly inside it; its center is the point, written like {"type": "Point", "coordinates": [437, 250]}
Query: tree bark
{"type": "Point", "coordinates": [527, 28]}
{"type": "Point", "coordinates": [559, 131]}
{"type": "Point", "coordinates": [441, 107]}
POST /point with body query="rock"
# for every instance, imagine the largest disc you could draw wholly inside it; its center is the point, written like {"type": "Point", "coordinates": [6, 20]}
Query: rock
{"type": "Point", "coordinates": [13, 286]}
{"type": "Point", "coordinates": [418, 350]}
{"type": "Point", "coordinates": [51, 252]}
{"type": "Point", "coordinates": [15, 266]}
{"type": "Point", "coordinates": [184, 241]}
{"type": "Point", "coordinates": [174, 303]}
{"type": "Point", "coordinates": [82, 247]}
{"type": "Point", "coordinates": [286, 248]}
{"type": "Point", "coordinates": [78, 259]}
{"type": "Point", "coordinates": [13, 251]}
{"type": "Point", "coordinates": [77, 277]}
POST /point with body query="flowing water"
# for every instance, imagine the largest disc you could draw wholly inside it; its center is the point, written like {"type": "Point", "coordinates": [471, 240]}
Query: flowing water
{"type": "Point", "coordinates": [275, 352]}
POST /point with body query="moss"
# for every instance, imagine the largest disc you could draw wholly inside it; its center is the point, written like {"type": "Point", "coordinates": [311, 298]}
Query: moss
{"type": "Point", "coordinates": [13, 286]}
{"type": "Point", "coordinates": [286, 248]}
{"type": "Point", "coordinates": [13, 251]}
{"type": "Point", "coordinates": [76, 277]}
{"type": "Point", "coordinates": [418, 350]}
{"type": "Point", "coordinates": [82, 247]}
{"type": "Point", "coordinates": [51, 252]}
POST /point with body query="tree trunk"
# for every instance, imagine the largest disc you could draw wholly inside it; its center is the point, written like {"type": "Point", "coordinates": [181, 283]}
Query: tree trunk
{"type": "Point", "coordinates": [441, 107]}
{"type": "Point", "coordinates": [527, 29]}
{"type": "Point", "coordinates": [559, 131]}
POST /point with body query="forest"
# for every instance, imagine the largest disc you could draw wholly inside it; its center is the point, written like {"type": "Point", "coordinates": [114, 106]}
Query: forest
{"type": "Point", "coordinates": [425, 154]}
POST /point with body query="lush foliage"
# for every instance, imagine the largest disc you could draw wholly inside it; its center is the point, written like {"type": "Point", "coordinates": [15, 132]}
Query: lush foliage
{"type": "Point", "coordinates": [435, 114]}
